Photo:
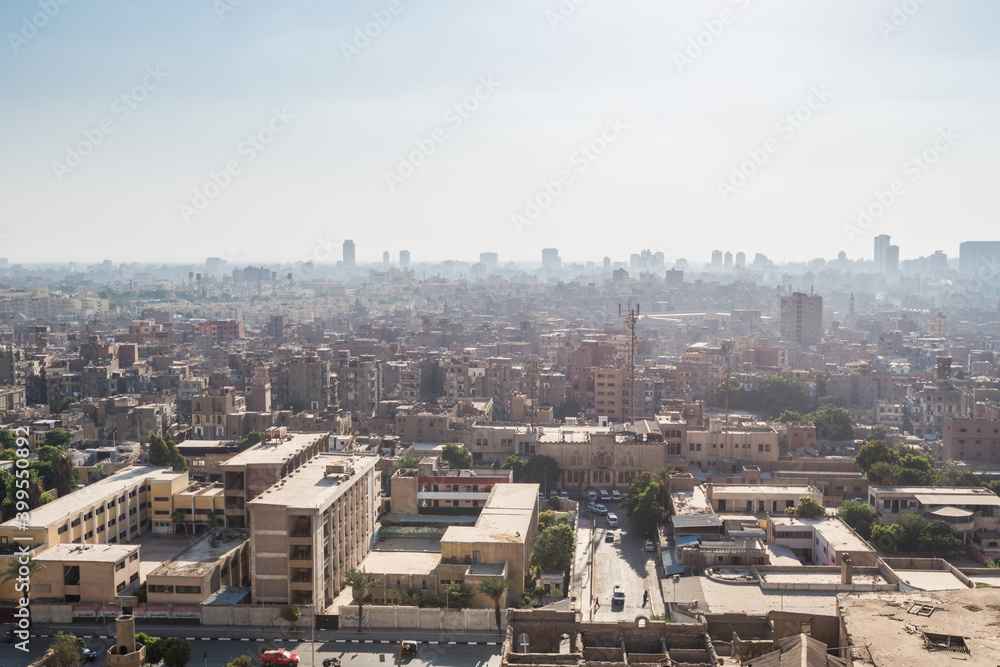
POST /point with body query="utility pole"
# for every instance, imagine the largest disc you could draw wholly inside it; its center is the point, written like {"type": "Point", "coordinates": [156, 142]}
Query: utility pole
{"type": "Point", "coordinates": [631, 317]}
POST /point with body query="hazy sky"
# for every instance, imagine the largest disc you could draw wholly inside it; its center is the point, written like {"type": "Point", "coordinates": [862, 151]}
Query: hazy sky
{"type": "Point", "coordinates": [116, 115]}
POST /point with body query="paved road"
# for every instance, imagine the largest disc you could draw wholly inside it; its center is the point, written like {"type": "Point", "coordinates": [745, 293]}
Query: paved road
{"type": "Point", "coordinates": [621, 563]}
{"type": "Point", "coordinates": [221, 652]}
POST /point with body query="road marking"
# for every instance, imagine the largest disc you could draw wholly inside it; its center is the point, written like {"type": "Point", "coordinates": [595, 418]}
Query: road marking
{"type": "Point", "coordinates": [206, 639]}
{"type": "Point", "coordinates": [340, 641]}
{"type": "Point", "coordinates": [190, 639]}
{"type": "Point", "coordinates": [452, 643]}
{"type": "Point", "coordinates": [368, 641]}
{"type": "Point", "coordinates": [224, 639]}
{"type": "Point", "coordinates": [492, 644]}
{"type": "Point", "coordinates": [244, 639]}
{"type": "Point", "coordinates": [384, 641]}
{"type": "Point", "coordinates": [433, 642]}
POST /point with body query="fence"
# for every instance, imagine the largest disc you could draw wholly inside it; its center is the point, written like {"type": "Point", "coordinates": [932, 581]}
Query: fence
{"type": "Point", "coordinates": [375, 617]}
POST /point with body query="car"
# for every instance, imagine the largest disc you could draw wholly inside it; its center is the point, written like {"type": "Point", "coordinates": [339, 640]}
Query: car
{"type": "Point", "coordinates": [618, 597]}
{"type": "Point", "coordinates": [609, 536]}
{"type": "Point", "coordinates": [553, 494]}
{"type": "Point", "coordinates": [860, 500]}
{"type": "Point", "coordinates": [650, 546]}
{"type": "Point", "coordinates": [597, 508]}
{"type": "Point", "coordinates": [409, 647]}
{"type": "Point", "coordinates": [278, 656]}
{"type": "Point", "coordinates": [89, 655]}
{"type": "Point", "coordinates": [541, 496]}
{"type": "Point", "coordinates": [616, 496]}
{"type": "Point", "coordinates": [612, 520]}
{"type": "Point", "coordinates": [592, 496]}
{"type": "Point", "coordinates": [332, 662]}
{"type": "Point", "coordinates": [605, 497]}
{"type": "Point", "coordinates": [564, 494]}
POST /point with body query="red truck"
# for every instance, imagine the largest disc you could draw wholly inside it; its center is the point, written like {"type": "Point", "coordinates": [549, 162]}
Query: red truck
{"type": "Point", "coordinates": [278, 656]}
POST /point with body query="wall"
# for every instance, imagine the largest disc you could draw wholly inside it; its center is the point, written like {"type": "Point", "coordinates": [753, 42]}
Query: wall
{"type": "Point", "coordinates": [417, 618]}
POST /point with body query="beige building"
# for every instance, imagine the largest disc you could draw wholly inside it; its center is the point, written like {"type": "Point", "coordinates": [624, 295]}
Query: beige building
{"type": "Point", "coordinates": [216, 560]}
{"type": "Point", "coordinates": [758, 498]}
{"type": "Point", "coordinates": [86, 573]}
{"type": "Point", "coordinates": [498, 545]}
{"type": "Point", "coordinates": [209, 410]}
{"type": "Point", "coordinates": [313, 526]}
{"type": "Point", "coordinates": [249, 473]}
{"type": "Point", "coordinates": [728, 449]}
{"type": "Point", "coordinates": [802, 318]}
{"type": "Point", "coordinates": [820, 541]}
{"type": "Point", "coordinates": [432, 490]}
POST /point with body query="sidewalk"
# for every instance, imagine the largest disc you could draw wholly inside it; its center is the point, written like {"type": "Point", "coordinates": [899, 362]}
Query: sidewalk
{"type": "Point", "coordinates": [276, 635]}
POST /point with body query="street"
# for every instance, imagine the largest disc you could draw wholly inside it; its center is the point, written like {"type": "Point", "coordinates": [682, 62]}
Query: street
{"type": "Point", "coordinates": [220, 652]}
{"type": "Point", "coordinates": [622, 563]}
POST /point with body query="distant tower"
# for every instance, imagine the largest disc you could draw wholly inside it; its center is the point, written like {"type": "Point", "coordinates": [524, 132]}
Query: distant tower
{"type": "Point", "coordinates": [551, 259]}
{"type": "Point", "coordinates": [386, 260]}
{"type": "Point", "coordinates": [716, 259]}
{"type": "Point", "coordinates": [348, 253]}
{"type": "Point", "coordinates": [741, 260]}
{"type": "Point", "coordinates": [126, 653]}
{"type": "Point", "coordinates": [728, 261]}
{"type": "Point", "coordinates": [881, 255]}
{"type": "Point", "coordinates": [404, 259]}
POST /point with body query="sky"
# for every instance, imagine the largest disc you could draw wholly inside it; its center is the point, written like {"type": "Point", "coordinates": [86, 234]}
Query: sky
{"type": "Point", "coordinates": [176, 130]}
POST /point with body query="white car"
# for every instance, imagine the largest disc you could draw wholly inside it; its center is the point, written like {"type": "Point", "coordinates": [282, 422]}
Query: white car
{"type": "Point", "coordinates": [616, 496]}
{"type": "Point", "coordinates": [597, 508]}
{"type": "Point", "coordinates": [618, 596]}
{"type": "Point", "coordinates": [650, 546]}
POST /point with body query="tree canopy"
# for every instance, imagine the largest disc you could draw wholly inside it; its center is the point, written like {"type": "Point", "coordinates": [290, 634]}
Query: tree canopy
{"type": "Point", "coordinates": [542, 470]}
{"type": "Point", "coordinates": [859, 516]}
{"type": "Point", "coordinates": [163, 452]}
{"type": "Point", "coordinates": [456, 456]}
{"type": "Point", "coordinates": [806, 509]}
{"type": "Point", "coordinates": [554, 548]}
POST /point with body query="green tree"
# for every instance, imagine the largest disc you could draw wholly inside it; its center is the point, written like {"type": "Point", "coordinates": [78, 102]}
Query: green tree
{"type": "Point", "coordinates": [456, 456]}
{"type": "Point", "coordinates": [913, 526]}
{"type": "Point", "coordinates": [409, 462]}
{"type": "Point", "coordinates": [494, 587]}
{"type": "Point", "coordinates": [936, 536]}
{"type": "Point", "coordinates": [141, 594]}
{"type": "Point", "coordinates": [878, 432]}
{"type": "Point", "coordinates": [240, 661]}
{"type": "Point", "coordinates": [179, 519]}
{"type": "Point", "coordinates": [459, 595]}
{"type": "Point", "coordinates": [46, 453]}
{"type": "Point", "coordinates": [291, 615]}
{"type": "Point", "coordinates": [551, 518]}
{"type": "Point", "coordinates": [806, 509]}
{"type": "Point", "coordinates": [888, 537]}
{"type": "Point", "coordinates": [884, 473]}
{"type": "Point", "coordinates": [872, 452]}
{"type": "Point", "coordinates": [176, 651]}
{"type": "Point", "coordinates": [67, 650]}
{"type": "Point", "coordinates": [544, 471]}
{"type": "Point", "coordinates": [360, 582]}
{"type": "Point", "coordinates": [58, 438]}
{"type": "Point", "coordinates": [790, 416]}
{"type": "Point", "coordinates": [777, 394]}
{"type": "Point", "coordinates": [952, 475]}
{"type": "Point", "coordinates": [60, 406]}
{"type": "Point", "coordinates": [516, 464]}
{"type": "Point", "coordinates": [7, 440]}
{"type": "Point", "coordinates": [859, 516]}
{"type": "Point", "coordinates": [62, 469]}
{"type": "Point", "coordinates": [154, 648]}
{"type": "Point", "coordinates": [554, 548]}
{"type": "Point", "coordinates": [832, 424]}
{"type": "Point", "coordinates": [649, 511]}
{"type": "Point", "coordinates": [212, 520]}
{"type": "Point", "coordinates": [250, 439]}
{"type": "Point", "coordinates": [410, 597]}
{"type": "Point", "coordinates": [13, 569]}
{"type": "Point", "coordinates": [163, 452]}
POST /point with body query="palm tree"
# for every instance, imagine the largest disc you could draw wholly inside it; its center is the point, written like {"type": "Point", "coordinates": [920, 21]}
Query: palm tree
{"type": "Point", "coordinates": [178, 518]}
{"type": "Point", "coordinates": [360, 582]}
{"type": "Point", "coordinates": [13, 569]}
{"type": "Point", "coordinates": [662, 477]}
{"type": "Point", "coordinates": [212, 520]}
{"type": "Point", "coordinates": [884, 473]}
{"type": "Point", "coordinates": [62, 469]}
{"type": "Point", "coordinates": [494, 587]}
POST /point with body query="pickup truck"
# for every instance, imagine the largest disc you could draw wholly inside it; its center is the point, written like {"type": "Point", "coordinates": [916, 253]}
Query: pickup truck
{"type": "Point", "coordinates": [277, 656]}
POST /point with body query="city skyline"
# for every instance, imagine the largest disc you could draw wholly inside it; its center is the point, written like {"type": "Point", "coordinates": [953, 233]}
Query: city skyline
{"type": "Point", "coordinates": [270, 133]}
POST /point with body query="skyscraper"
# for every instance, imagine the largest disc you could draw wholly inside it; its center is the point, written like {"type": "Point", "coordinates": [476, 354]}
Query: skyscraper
{"type": "Point", "coordinates": [404, 259]}
{"type": "Point", "coordinates": [386, 258]}
{"type": "Point", "coordinates": [802, 318]}
{"type": "Point", "coordinates": [348, 253]}
{"type": "Point", "coordinates": [550, 258]}
{"type": "Point", "coordinates": [881, 252]}
{"type": "Point", "coordinates": [979, 256]}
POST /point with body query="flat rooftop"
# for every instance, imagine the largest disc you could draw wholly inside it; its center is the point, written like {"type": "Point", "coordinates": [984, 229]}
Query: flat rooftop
{"type": "Point", "coordinates": [935, 490]}
{"type": "Point", "coordinates": [506, 517]}
{"type": "Point", "coordinates": [205, 444]}
{"type": "Point", "coordinates": [379, 562]}
{"type": "Point", "coordinates": [200, 556]}
{"type": "Point", "coordinates": [92, 553]}
{"type": "Point", "coordinates": [310, 486]}
{"type": "Point", "coordinates": [274, 451]}
{"type": "Point", "coordinates": [833, 529]}
{"type": "Point", "coordinates": [92, 494]}
{"type": "Point", "coordinates": [807, 575]}
{"type": "Point", "coordinates": [881, 631]}
{"type": "Point", "coordinates": [728, 490]}
{"type": "Point", "coordinates": [694, 502]}
{"type": "Point", "coordinates": [931, 580]}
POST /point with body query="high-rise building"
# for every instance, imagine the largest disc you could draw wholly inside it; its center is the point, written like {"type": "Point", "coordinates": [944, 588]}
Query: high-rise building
{"type": "Point", "coordinates": [881, 256]}
{"type": "Point", "coordinates": [892, 261]}
{"type": "Point", "coordinates": [741, 260]}
{"type": "Point", "coordinates": [348, 253]}
{"type": "Point", "coordinates": [489, 259]}
{"type": "Point", "coordinates": [385, 258]}
{"type": "Point", "coordinates": [728, 260]}
{"type": "Point", "coordinates": [716, 259]}
{"type": "Point", "coordinates": [404, 259]}
{"type": "Point", "coordinates": [977, 256]}
{"type": "Point", "coordinates": [802, 318]}
{"type": "Point", "coordinates": [550, 258]}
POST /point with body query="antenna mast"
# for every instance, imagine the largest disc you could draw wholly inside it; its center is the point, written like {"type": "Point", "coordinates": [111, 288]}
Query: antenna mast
{"type": "Point", "coordinates": [631, 317]}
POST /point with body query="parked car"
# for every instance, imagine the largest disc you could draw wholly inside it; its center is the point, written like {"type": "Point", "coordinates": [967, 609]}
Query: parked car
{"type": "Point", "coordinates": [592, 496]}
{"type": "Point", "coordinates": [278, 656]}
{"type": "Point", "coordinates": [89, 655]}
{"type": "Point", "coordinates": [553, 494]}
{"type": "Point", "coordinates": [612, 520]}
{"type": "Point", "coordinates": [409, 648]}
{"type": "Point", "coordinates": [597, 508]}
{"type": "Point", "coordinates": [541, 496]}
{"type": "Point", "coordinates": [564, 494]}
{"type": "Point", "coordinates": [618, 597]}
{"type": "Point", "coordinates": [332, 662]}
{"type": "Point", "coordinates": [650, 546]}
{"type": "Point", "coordinates": [616, 496]}
{"type": "Point", "coordinates": [609, 536]}
{"type": "Point", "coordinates": [605, 496]}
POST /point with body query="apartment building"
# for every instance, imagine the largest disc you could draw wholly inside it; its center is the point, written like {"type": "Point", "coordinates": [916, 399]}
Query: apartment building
{"type": "Point", "coordinates": [730, 447]}
{"type": "Point", "coordinates": [210, 410]}
{"type": "Point", "coordinates": [221, 331]}
{"type": "Point", "coordinates": [85, 573]}
{"type": "Point", "coordinates": [360, 380]}
{"type": "Point", "coordinates": [975, 441]}
{"type": "Point", "coordinates": [432, 490]}
{"type": "Point", "coordinates": [312, 383]}
{"type": "Point", "coordinates": [313, 526]}
{"type": "Point", "coordinates": [966, 509]}
{"type": "Point", "coordinates": [204, 458]}
{"type": "Point", "coordinates": [758, 498]}
{"type": "Point", "coordinates": [802, 318]}
{"type": "Point", "coordinates": [249, 473]}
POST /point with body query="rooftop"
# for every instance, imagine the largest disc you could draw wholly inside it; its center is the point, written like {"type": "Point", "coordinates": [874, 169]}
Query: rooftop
{"type": "Point", "coordinates": [379, 562]}
{"type": "Point", "coordinates": [275, 451]}
{"type": "Point", "coordinates": [507, 516]}
{"type": "Point", "coordinates": [881, 631]}
{"type": "Point", "coordinates": [87, 496]}
{"type": "Point", "coordinates": [198, 558]}
{"type": "Point", "coordinates": [310, 486]}
{"type": "Point", "coordinates": [719, 490]}
{"type": "Point", "coordinates": [837, 533]}
{"type": "Point", "coordinates": [94, 553]}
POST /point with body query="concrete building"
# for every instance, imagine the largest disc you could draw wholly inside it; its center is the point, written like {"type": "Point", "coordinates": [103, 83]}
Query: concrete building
{"type": "Point", "coordinates": [209, 412]}
{"type": "Point", "coordinates": [975, 441]}
{"type": "Point", "coordinates": [348, 253]}
{"type": "Point", "coordinates": [432, 490]}
{"type": "Point", "coordinates": [920, 628]}
{"type": "Point", "coordinates": [802, 318]}
{"type": "Point", "coordinates": [86, 573]}
{"type": "Point", "coordinates": [214, 561]}
{"type": "Point", "coordinates": [312, 383]}
{"type": "Point", "coordinates": [204, 458]}
{"type": "Point", "coordinates": [729, 448]}
{"type": "Point", "coordinates": [820, 541]}
{"type": "Point", "coordinates": [313, 526]}
{"type": "Point", "coordinates": [966, 509]}
{"type": "Point", "coordinates": [221, 332]}
{"type": "Point", "coordinates": [758, 498]}
{"type": "Point", "coordinates": [248, 474]}
{"type": "Point", "coordinates": [498, 545]}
